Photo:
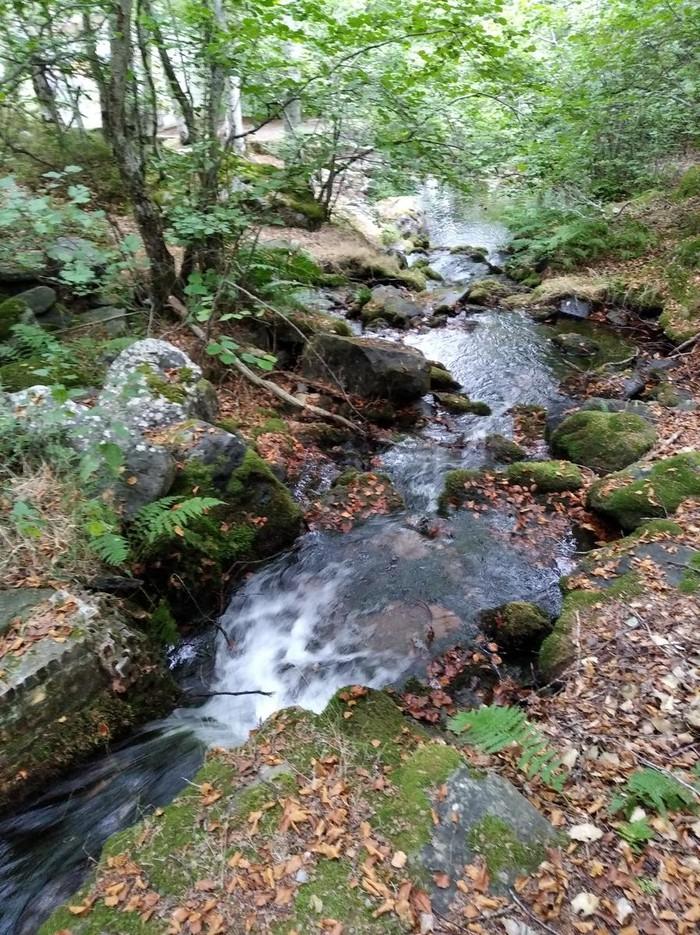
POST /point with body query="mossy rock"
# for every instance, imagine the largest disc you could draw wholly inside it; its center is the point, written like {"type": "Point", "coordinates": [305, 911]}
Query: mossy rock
{"type": "Point", "coordinates": [517, 626]}
{"type": "Point", "coordinates": [488, 292]}
{"type": "Point", "coordinates": [643, 491]}
{"type": "Point", "coordinates": [643, 299]}
{"type": "Point", "coordinates": [456, 402]}
{"type": "Point", "coordinates": [358, 761]}
{"type": "Point", "coordinates": [258, 518]}
{"type": "Point", "coordinates": [378, 268]}
{"type": "Point", "coordinates": [12, 312]}
{"type": "Point", "coordinates": [459, 486]}
{"type": "Point", "coordinates": [603, 441]}
{"type": "Point", "coordinates": [441, 379]}
{"type": "Point", "coordinates": [546, 476]}
{"type": "Point", "coordinates": [504, 449]}
{"type": "Point", "coordinates": [21, 374]}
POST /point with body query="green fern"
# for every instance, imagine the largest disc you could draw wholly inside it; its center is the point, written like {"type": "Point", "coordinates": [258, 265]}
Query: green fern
{"type": "Point", "coordinates": [170, 517]}
{"type": "Point", "coordinates": [493, 728]}
{"type": "Point", "coordinates": [112, 548]}
{"type": "Point", "coordinates": [636, 833]}
{"type": "Point", "coordinates": [653, 789]}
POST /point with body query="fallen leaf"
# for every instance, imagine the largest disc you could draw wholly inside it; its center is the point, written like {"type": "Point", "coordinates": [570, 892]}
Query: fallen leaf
{"type": "Point", "coordinates": [585, 832]}
{"type": "Point", "coordinates": [399, 860]}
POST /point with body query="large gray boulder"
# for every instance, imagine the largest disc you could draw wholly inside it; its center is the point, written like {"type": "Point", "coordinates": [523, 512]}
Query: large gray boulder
{"type": "Point", "coordinates": [369, 367]}
{"type": "Point", "coordinates": [392, 305]}
{"type": "Point", "coordinates": [75, 676]}
{"type": "Point", "coordinates": [39, 299]}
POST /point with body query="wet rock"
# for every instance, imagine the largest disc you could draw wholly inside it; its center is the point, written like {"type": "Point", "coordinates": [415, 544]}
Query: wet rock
{"type": "Point", "coordinates": [545, 476]}
{"type": "Point", "coordinates": [39, 299]}
{"type": "Point", "coordinates": [578, 344]}
{"type": "Point", "coordinates": [504, 449]}
{"type": "Point", "coordinates": [392, 305]}
{"type": "Point", "coordinates": [603, 441]}
{"type": "Point", "coordinates": [441, 378]}
{"type": "Point", "coordinates": [574, 307]}
{"type": "Point", "coordinates": [448, 301]}
{"type": "Point", "coordinates": [437, 321]}
{"type": "Point", "coordinates": [16, 604]}
{"type": "Point", "coordinates": [458, 403]}
{"type": "Point", "coordinates": [643, 491]}
{"type": "Point", "coordinates": [221, 451]}
{"type": "Point", "coordinates": [369, 367]}
{"type": "Point", "coordinates": [84, 677]}
{"type": "Point", "coordinates": [107, 318]}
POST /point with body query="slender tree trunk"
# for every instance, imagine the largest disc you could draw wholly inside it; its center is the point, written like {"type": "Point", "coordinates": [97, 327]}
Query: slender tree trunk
{"type": "Point", "coordinates": [177, 92]}
{"type": "Point", "coordinates": [98, 74]}
{"type": "Point", "coordinates": [46, 96]}
{"type": "Point", "coordinates": [128, 154]}
{"type": "Point", "coordinates": [231, 92]}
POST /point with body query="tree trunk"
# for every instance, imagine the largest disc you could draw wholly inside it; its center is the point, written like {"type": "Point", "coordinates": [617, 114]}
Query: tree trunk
{"type": "Point", "coordinates": [128, 154]}
{"type": "Point", "coordinates": [177, 92]}
{"type": "Point", "coordinates": [46, 96]}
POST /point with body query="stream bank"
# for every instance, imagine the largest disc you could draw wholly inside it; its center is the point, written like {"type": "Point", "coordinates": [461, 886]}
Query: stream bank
{"type": "Point", "coordinates": [351, 608]}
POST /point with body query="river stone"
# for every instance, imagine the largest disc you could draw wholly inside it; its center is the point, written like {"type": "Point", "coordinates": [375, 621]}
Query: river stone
{"type": "Point", "coordinates": [642, 491]}
{"type": "Point", "coordinates": [578, 344]}
{"type": "Point", "coordinates": [574, 307]}
{"type": "Point", "coordinates": [39, 299]}
{"type": "Point", "coordinates": [603, 441]}
{"type": "Point", "coordinates": [391, 304]}
{"type": "Point", "coordinates": [449, 301]}
{"type": "Point", "coordinates": [484, 816]}
{"type": "Point", "coordinates": [504, 449]}
{"type": "Point", "coordinates": [369, 367]}
{"type": "Point", "coordinates": [517, 627]}
{"type": "Point", "coordinates": [80, 677]}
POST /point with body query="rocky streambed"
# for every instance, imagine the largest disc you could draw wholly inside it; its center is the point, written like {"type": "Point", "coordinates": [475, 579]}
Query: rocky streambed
{"type": "Point", "coordinates": [369, 607]}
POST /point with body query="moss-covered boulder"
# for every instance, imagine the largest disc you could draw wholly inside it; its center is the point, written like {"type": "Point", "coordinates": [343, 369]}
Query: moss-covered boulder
{"type": "Point", "coordinates": [593, 289]}
{"type": "Point", "coordinates": [374, 267]}
{"type": "Point", "coordinates": [442, 379]}
{"type": "Point", "coordinates": [643, 491]}
{"type": "Point", "coordinates": [546, 476]}
{"type": "Point", "coordinates": [353, 497]}
{"type": "Point", "coordinates": [459, 485]}
{"type": "Point", "coordinates": [318, 821]}
{"type": "Point", "coordinates": [256, 519]}
{"type": "Point", "coordinates": [391, 304]}
{"type": "Point", "coordinates": [517, 627]}
{"type": "Point", "coordinates": [504, 449]}
{"type": "Point", "coordinates": [488, 292]}
{"type": "Point", "coordinates": [75, 677]}
{"type": "Point", "coordinates": [458, 403]}
{"type": "Point", "coordinates": [603, 441]}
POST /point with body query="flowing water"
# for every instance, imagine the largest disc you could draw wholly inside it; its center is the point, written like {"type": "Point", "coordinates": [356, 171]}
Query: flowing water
{"type": "Point", "coordinates": [337, 609]}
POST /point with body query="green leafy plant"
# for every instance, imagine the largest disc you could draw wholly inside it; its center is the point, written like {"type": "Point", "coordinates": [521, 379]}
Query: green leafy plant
{"type": "Point", "coordinates": [27, 519]}
{"type": "Point", "coordinates": [169, 517]}
{"type": "Point", "coordinates": [636, 833]}
{"type": "Point", "coordinates": [493, 728]}
{"type": "Point", "coordinates": [227, 351]}
{"type": "Point", "coordinates": [651, 788]}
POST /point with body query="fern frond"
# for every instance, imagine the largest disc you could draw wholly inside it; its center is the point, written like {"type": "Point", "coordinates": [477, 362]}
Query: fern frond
{"type": "Point", "coordinates": [636, 833]}
{"type": "Point", "coordinates": [111, 548]}
{"type": "Point", "coordinates": [495, 727]}
{"type": "Point", "coordinates": [170, 516]}
{"type": "Point", "coordinates": [653, 789]}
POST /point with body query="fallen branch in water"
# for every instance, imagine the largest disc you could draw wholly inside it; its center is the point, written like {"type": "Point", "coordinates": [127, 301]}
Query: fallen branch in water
{"type": "Point", "coordinates": [214, 694]}
{"type": "Point", "coordinates": [268, 385]}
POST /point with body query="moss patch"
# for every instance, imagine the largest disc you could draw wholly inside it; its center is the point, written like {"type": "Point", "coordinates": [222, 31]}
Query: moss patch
{"type": "Point", "coordinates": [441, 379]}
{"type": "Point", "coordinates": [459, 486]}
{"type": "Point", "coordinates": [12, 312]}
{"type": "Point", "coordinates": [517, 626]}
{"type": "Point", "coordinates": [497, 843]}
{"type": "Point", "coordinates": [646, 491]}
{"type": "Point", "coordinates": [456, 402]}
{"type": "Point", "coordinates": [690, 582]}
{"type": "Point", "coordinates": [604, 441]}
{"type": "Point", "coordinates": [546, 476]}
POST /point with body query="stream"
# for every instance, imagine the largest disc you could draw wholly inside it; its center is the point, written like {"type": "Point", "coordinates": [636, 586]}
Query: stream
{"type": "Point", "coordinates": [337, 609]}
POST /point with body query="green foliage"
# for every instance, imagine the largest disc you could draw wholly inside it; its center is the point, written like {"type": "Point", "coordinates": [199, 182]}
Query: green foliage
{"type": "Point", "coordinates": [689, 185]}
{"type": "Point", "coordinates": [547, 235]}
{"type": "Point", "coordinates": [162, 625]}
{"type": "Point", "coordinates": [493, 728]}
{"type": "Point", "coordinates": [651, 788]}
{"type": "Point", "coordinates": [169, 517]}
{"type": "Point", "coordinates": [636, 833]}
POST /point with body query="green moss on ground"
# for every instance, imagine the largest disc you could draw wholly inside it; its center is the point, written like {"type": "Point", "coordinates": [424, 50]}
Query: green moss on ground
{"type": "Point", "coordinates": [546, 476]}
{"type": "Point", "coordinates": [558, 649]}
{"type": "Point", "coordinates": [488, 292]}
{"type": "Point", "coordinates": [645, 491]}
{"type": "Point", "coordinates": [603, 441]}
{"type": "Point", "coordinates": [690, 582]}
{"type": "Point", "coordinates": [495, 840]}
{"type": "Point", "coordinates": [517, 626]}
